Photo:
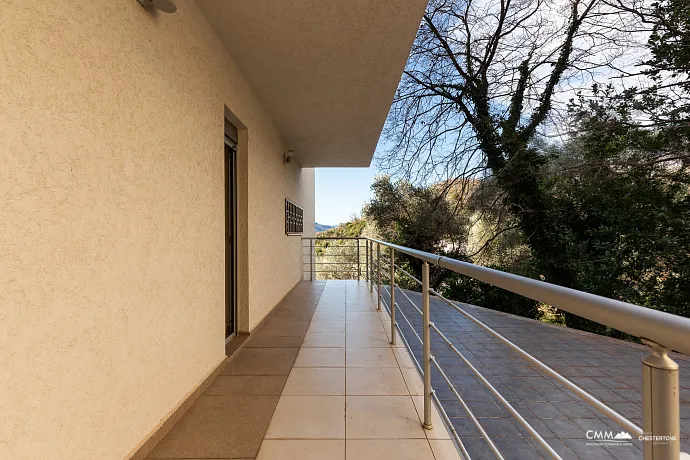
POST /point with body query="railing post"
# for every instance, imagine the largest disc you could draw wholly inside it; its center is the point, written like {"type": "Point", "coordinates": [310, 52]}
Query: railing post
{"type": "Point", "coordinates": [378, 276]}
{"type": "Point", "coordinates": [358, 259]}
{"type": "Point", "coordinates": [426, 335]}
{"type": "Point", "coordinates": [392, 297]}
{"type": "Point", "coordinates": [366, 262]}
{"type": "Point", "coordinates": [311, 259]}
{"type": "Point", "coordinates": [660, 405]}
{"type": "Point", "coordinates": [370, 265]}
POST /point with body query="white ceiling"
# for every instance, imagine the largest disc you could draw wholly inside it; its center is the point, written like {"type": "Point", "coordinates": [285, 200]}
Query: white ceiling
{"type": "Point", "coordinates": [325, 70]}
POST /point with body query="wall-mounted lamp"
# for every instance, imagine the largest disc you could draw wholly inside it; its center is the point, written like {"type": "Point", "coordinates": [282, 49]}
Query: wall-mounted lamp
{"type": "Point", "coordinates": [165, 6]}
{"type": "Point", "coordinates": [288, 156]}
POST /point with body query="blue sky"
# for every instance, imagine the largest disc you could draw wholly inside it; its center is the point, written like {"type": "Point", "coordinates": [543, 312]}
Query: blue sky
{"type": "Point", "coordinates": [341, 192]}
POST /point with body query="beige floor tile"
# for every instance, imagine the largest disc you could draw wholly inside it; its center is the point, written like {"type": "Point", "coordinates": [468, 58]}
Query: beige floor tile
{"type": "Point", "coordinates": [362, 316]}
{"type": "Point", "coordinates": [328, 316]}
{"type": "Point", "coordinates": [383, 417]}
{"type": "Point", "coordinates": [399, 343]}
{"type": "Point", "coordinates": [367, 340]}
{"type": "Point", "coordinates": [324, 339]}
{"type": "Point", "coordinates": [387, 326]}
{"type": "Point", "coordinates": [332, 307]}
{"type": "Point", "coordinates": [370, 357]}
{"type": "Point", "coordinates": [383, 449]}
{"type": "Point", "coordinates": [327, 326]}
{"type": "Point", "coordinates": [414, 382]}
{"type": "Point", "coordinates": [291, 449]}
{"type": "Point", "coordinates": [439, 431]}
{"type": "Point", "coordinates": [444, 449]}
{"type": "Point", "coordinates": [403, 358]}
{"type": "Point", "coordinates": [308, 417]}
{"type": "Point", "coordinates": [321, 357]}
{"type": "Point", "coordinates": [360, 305]}
{"type": "Point", "coordinates": [337, 301]}
{"type": "Point", "coordinates": [365, 326]}
{"type": "Point", "coordinates": [324, 381]}
{"type": "Point", "coordinates": [375, 381]}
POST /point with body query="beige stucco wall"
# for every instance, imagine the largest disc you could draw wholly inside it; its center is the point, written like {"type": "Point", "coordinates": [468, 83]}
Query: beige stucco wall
{"type": "Point", "coordinates": [111, 220]}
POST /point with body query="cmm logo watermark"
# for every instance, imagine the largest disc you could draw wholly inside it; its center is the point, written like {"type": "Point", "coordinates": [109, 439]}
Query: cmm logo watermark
{"type": "Point", "coordinates": [608, 438]}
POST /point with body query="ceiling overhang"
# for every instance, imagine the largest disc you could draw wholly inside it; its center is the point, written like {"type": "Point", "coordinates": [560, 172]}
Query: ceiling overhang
{"type": "Point", "coordinates": [326, 71]}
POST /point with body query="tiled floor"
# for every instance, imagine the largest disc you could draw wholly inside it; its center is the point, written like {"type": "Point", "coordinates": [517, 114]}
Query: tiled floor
{"type": "Point", "coordinates": [348, 396]}
{"type": "Point", "coordinates": [607, 368]}
{"type": "Point", "coordinates": [319, 380]}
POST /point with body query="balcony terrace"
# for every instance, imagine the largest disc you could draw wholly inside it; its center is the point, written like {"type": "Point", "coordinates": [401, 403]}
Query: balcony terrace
{"type": "Point", "coordinates": [325, 377]}
{"type": "Point", "coordinates": [318, 380]}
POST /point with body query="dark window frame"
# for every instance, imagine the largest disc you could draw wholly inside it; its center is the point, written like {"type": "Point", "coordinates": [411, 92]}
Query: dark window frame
{"type": "Point", "coordinates": [294, 218]}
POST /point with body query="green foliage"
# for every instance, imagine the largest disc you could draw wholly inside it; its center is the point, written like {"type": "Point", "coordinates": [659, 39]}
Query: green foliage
{"type": "Point", "coordinates": [351, 229]}
{"type": "Point", "coordinates": [418, 217]}
{"type": "Point", "coordinates": [670, 37]}
{"type": "Point", "coordinates": [627, 207]}
{"type": "Point", "coordinates": [337, 258]}
{"type": "Point", "coordinates": [468, 290]}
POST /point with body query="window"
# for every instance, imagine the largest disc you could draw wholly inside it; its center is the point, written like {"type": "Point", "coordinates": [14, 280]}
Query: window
{"type": "Point", "coordinates": [294, 215]}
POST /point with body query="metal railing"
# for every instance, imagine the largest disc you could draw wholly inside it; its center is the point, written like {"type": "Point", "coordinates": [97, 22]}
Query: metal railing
{"type": "Point", "coordinates": [661, 332]}
{"type": "Point", "coordinates": [334, 257]}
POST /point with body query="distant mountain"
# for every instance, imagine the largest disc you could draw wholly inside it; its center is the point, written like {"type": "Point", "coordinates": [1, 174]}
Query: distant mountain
{"type": "Point", "coordinates": [322, 227]}
{"type": "Point", "coordinates": [350, 229]}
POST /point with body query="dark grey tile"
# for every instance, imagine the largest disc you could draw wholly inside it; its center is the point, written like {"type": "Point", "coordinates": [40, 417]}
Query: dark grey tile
{"type": "Point", "coordinates": [262, 361]}
{"type": "Point", "coordinates": [219, 427]}
{"type": "Point", "coordinates": [253, 385]}
{"type": "Point", "coordinates": [274, 342]}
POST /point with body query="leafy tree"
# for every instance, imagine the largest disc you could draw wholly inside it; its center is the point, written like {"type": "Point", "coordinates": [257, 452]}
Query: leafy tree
{"type": "Point", "coordinates": [626, 195]}
{"type": "Point", "coordinates": [337, 258]}
{"type": "Point", "coordinates": [484, 88]}
{"type": "Point", "coordinates": [420, 217]}
{"type": "Point", "coordinates": [481, 80]}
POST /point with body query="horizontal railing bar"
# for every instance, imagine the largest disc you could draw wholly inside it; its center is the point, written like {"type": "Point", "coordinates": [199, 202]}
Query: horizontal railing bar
{"type": "Point", "coordinates": [603, 408]}
{"type": "Point", "coordinates": [447, 421]}
{"type": "Point", "coordinates": [600, 406]}
{"type": "Point", "coordinates": [536, 436]}
{"type": "Point", "coordinates": [446, 418]}
{"type": "Point", "coordinates": [410, 300]}
{"type": "Point", "coordinates": [474, 419]}
{"type": "Point", "coordinates": [405, 318]}
{"type": "Point", "coordinates": [450, 384]}
{"type": "Point", "coordinates": [331, 271]}
{"type": "Point", "coordinates": [670, 331]}
{"type": "Point", "coordinates": [425, 256]}
{"type": "Point", "coordinates": [337, 263]}
{"type": "Point", "coordinates": [594, 402]}
{"type": "Point", "coordinates": [316, 238]}
{"type": "Point", "coordinates": [333, 246]}
{"type": "Point", "coordinates": [410, 276]}
{"type": "Point", "coordinates": [404, 271]}
{"type": "Point", "coordinates": [334, 255]}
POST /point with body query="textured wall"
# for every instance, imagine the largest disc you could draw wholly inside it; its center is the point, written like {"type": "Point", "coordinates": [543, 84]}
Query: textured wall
{"type": "Point", "coordinates": [111, 219]}
{"type": "Point", "coordinates": [268, 244]}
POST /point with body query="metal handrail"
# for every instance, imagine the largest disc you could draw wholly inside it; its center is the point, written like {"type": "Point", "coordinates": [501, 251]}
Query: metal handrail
{"type": "Point", "coordinates": [594, 402]}
{"type": "Point", "coordinates": [669, 331]}
{"type": "Point", "coordinates": [661, 331]}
